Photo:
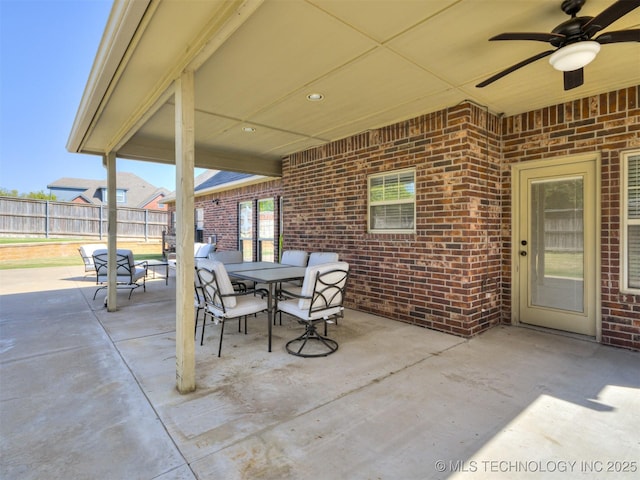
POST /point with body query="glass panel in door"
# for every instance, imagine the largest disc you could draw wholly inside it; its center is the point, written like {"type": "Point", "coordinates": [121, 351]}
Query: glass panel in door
{"type": "Point", "coordinates": [556, 257]}
{"type": "Point", "coordinates": [266, 229]}
{"type": "Point", "coordinates": [245, 230]}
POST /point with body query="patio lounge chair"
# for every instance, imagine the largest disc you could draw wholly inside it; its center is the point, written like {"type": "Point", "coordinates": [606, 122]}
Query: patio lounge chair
{"type": "Point", "coordinates": [222, 301]}
{"type": "Point", "coordinates": [87, 251]}
{"type": "Point", "coordinates": [201, 251]}
{"type": "Point", "coordinates": [320, 300]}
{"type": "Point", "coordinates": [128, 272]}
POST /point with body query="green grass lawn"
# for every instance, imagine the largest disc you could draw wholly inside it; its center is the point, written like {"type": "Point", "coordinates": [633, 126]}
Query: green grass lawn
{"type": "Point", "coordinates": [62, 261]}
{"type": "Point", "coordinates": [9, 241]}
{"type": "Point", "coordinates": [564, 264]}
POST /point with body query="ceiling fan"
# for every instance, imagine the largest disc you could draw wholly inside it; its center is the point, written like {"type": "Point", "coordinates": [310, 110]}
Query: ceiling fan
{"type": "Point", "coordinates": [572, 39]}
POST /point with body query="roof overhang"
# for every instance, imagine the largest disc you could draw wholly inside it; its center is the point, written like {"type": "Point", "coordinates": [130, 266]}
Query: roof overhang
{"type": "Point", "coordinates": [255, 62]}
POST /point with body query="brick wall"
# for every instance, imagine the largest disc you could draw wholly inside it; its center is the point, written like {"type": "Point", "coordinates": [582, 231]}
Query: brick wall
{"type": "Point", "coordinates": [221, 219]}
{"type": "Point", "coordinates": [155, 205]}
{"type": "Point", "coordinates": [446, 275]}
{"type": "Point", "coordinates": [609, 124]}
{"type": "Point", "coordinates": [454, 273]}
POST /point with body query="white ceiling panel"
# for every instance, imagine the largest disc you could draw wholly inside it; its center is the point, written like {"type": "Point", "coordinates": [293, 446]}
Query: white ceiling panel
{"type": "Point", "coordinates": [363, 88]}
{"type": "Point", "coordinates": [383, 20]}
{"type": "Point", "coordinates": [283, 46]}
{"type": "Point", "coordinates": [376, 62]}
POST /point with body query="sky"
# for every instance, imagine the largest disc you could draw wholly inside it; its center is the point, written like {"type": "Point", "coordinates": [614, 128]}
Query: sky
{"type": "Point", "coordinates": [47, 48]}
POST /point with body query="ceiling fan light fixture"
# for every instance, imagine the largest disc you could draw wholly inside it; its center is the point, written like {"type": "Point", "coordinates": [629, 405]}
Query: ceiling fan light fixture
{"type": "Point", "coordinates": [574, 56]}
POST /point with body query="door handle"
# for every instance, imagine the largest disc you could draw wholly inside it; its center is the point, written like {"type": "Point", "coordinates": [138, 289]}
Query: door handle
{"type": "Point", "coordinates": [523, 253]}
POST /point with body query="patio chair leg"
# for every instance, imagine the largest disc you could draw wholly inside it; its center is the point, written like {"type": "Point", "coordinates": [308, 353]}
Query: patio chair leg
{"type": "Point", "coordinates": [311, 334]}
{"type": "Point", "coordinates": [96, 292]}
{"type": "Point", "coordinates": [204, 324]}
{"type": "Point", "coordinates": [195, 329]}
{"type": "Point", "coordinates": [221, 334]}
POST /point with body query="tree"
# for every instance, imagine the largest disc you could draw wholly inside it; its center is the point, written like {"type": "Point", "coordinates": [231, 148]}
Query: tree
{"type": "Point", "coordinates": [4, 192]}
{"type": "Point", "coordinates": [41, 195]}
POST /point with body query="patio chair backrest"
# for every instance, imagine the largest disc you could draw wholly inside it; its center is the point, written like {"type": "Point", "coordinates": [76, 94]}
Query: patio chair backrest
{"type": "Point", "coordinates": [324, 286]}
{"type": "Point", "coordinates": [202, 250]}
{"type": "Point", "coordinates": [318, 258]}
{"type": "Point", "coordinates": [87, 251]}
{"type": "Point", "coordinates": [226, 256]}
{"type": "Point", "coordinates": [216, 284]}
{"type": "Point", "coordinates": [125, 269]}
{"type": "Point", "coordinates": [297, 258]}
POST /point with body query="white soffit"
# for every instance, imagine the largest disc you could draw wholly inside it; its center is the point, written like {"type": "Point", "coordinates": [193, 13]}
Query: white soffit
{"type": "Point", "coordinates": [376, 62]}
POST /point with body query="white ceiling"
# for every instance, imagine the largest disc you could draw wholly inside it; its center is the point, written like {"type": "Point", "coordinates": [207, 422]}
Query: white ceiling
{"type": "Point", "coordinates": [375, 61]}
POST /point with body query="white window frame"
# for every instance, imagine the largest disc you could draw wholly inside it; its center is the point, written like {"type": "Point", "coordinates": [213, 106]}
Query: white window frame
{"type": "Point", "coordinates": [371, 204]}
{"type": "Point", "coordinates": [250, 206]}
{"type": "Point", "coordinates": [121, 195]}
{"type": "Point", "coordinates": [626, 223]}
{"type": "Point", "coordinates": [266, 230]}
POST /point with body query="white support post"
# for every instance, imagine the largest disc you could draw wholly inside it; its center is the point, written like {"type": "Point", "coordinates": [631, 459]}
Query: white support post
{"type": "Point", "coordinates": [185, 152]}
{"type": "Point", "coordinates": [112, 232]}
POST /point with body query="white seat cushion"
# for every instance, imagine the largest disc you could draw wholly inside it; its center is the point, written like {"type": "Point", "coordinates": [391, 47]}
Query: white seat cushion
{"type": "Point", "coordinates": [87, 251]}
{"type": "Point", "coordinates": [202, 250]}
{"type": "Point", "coordinates": [309, 281]}
{"type": "Point", "coordinates": [223, 280]}
{"type": "Point", "coordinates": [244, 305]}
{"type": "Point", "coordinates": [227, 256]}
{"type": "Point", "coordinates": [297, 258]}
{"type": "Point", "coordinates": [292, 307]}
{"type": "Point", "coordinates": [318, 258]}
{"type": "Point", "coordinates": [123, 276]}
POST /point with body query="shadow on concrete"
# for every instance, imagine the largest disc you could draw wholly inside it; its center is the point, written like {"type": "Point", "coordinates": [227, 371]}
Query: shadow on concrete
{"type": "Point", "coordinates": [91, 394]}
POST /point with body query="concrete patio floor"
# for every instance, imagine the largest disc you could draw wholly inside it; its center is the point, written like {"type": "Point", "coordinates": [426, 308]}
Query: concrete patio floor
{"type": "Point", "coordinates": [87, 394]}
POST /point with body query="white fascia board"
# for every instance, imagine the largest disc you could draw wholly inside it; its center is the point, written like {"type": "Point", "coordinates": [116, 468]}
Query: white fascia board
{"type": "Point", "coordinates": [124, 19]}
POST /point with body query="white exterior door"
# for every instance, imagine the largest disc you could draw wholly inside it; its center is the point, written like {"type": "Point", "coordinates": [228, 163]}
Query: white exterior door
{"type": "Point", "coordinates": [555, 245]}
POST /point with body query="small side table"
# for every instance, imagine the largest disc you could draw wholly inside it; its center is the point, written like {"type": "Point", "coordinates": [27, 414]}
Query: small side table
{"type": "Point", "coordinates": [153, 264]}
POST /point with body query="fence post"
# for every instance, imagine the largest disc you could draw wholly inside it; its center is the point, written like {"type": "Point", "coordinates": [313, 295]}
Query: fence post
{"type": "Point", "coordinates": [46, 219]}
{"type": "Point", "coordinates": [146, 225]}
{"type": "Point", "coordinates": [100, 221]}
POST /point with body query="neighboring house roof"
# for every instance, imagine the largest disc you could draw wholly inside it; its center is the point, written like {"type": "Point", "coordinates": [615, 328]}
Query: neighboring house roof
{"type": "Point", "coordinates": [222, 178]}
{"type": "Point", "coordinates": [212, 181]}
{"type": "Point", "coordinates": [139, 192]}
{"type": "Point", "coordinates": [82, 197]}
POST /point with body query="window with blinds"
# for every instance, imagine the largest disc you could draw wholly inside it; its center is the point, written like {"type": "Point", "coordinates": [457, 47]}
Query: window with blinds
{"type": "Point", "coordinates": [631, 222]}
{"type": "Point", "coordinates": [392, 202]}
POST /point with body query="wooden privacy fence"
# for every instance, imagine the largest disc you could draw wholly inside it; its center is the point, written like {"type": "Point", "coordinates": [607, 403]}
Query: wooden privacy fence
{"type": "Point", "coordinates": [42, 218]}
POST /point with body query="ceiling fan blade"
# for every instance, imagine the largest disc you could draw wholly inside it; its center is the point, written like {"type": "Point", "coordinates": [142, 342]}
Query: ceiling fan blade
{"type": "Point", "coordinates": [610, 15]}
{"type": "Point", "coordinates": [573, 79]}
{"type": "Point", "coordinates": [632, 35]}
{"type": "Point", "coordinates": [538, 37]}
{"type": "Point", "coordinates": [515, 67]}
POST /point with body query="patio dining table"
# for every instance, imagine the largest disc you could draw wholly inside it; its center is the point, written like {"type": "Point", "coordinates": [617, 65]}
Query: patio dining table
{"type": "Point", "coordinates": [269, 273]}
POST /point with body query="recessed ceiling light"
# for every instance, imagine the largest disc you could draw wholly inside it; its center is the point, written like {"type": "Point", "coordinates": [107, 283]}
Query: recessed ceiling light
{"type": "Point", "coordinates": [248, 129]}
{"type": "Point", "coordinates": [315, 97]}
